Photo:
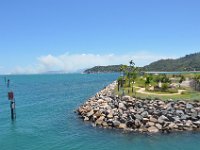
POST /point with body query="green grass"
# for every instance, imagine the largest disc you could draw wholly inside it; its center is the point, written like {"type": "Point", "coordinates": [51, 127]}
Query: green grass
{"type": "Point", "coordinates": [189, 95]}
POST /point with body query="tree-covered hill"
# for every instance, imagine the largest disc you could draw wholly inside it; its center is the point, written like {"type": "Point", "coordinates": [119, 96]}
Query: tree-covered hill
{"type": "Point", "coordinates": [104, 69]}
{"type": "Point", "coordinates": [188, 63]}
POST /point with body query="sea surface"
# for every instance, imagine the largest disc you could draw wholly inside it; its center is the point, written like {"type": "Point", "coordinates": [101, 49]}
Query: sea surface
{"type": "Point", "coordinates": [46, 120]}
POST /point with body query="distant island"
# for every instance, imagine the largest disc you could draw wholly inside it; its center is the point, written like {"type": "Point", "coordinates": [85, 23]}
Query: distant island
{"type": "Point", "coordinates": [189, 62]}
{"type": "Point", "coordinates": [104, 69]}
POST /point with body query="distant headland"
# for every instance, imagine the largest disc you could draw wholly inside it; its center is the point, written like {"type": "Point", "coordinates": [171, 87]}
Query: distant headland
{"type": "Point", "coordinates": [189, 62]}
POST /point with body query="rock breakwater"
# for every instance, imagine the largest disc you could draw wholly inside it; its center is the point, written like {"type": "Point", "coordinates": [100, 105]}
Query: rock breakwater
{"type": "Point", "coordinates": [108, 110]}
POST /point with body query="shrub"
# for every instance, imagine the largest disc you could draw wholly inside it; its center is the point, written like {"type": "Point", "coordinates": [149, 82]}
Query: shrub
{"type": "Point", "coordinates": [164, 87]}
{"type": "Point", "coordinates": [172, 90]}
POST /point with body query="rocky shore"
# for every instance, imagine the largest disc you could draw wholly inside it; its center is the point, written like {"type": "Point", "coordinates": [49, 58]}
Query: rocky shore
{"type": "Point", "coordinates": [108, 110]}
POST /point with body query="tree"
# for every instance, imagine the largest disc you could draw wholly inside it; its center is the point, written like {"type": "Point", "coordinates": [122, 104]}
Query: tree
{"type": "Point", "coordinates": [132, 72]}
{"type": "Point", "coordinates": [197, 82]}
{"type": "Point", "coordinates": [165, 79]}
{"type": "Point", "coordinates": [182, 79]}
{"type": "Point", "coordinates": [148, 80]}
{"type": "Point", "coordinates": [123, 69]}
{"type": "Point", "coordinates": [164, 87]}
{"type": "Point", "coordinates": [132, 63]}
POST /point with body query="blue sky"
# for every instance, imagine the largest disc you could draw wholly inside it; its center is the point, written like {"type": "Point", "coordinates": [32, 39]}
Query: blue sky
{"type": "Point", "coordinates": [43, 35]}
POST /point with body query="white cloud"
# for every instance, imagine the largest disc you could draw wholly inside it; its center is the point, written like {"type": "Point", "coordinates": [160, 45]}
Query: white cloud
{"type": "Point", "coordinates": [74, 62]}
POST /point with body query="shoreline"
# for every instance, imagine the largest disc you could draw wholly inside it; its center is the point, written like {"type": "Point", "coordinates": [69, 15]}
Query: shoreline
{"type": "Point", "coordinates": [108, 110]}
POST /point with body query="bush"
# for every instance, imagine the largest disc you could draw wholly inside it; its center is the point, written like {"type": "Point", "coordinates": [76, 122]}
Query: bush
{"type": "Point", "coordinates": [164, 87]}
{"type": "Point", "coordinates": [172, 90]}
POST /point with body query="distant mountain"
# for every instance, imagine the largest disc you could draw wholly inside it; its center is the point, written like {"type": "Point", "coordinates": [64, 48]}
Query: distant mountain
{"type": "Point", "coordinates": [187, 63]}
{"type": "Point", "coordinates": [104, 69]}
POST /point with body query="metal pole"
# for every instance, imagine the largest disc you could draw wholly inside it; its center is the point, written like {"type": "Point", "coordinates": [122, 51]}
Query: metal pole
{"type": "Point", "coordinates": [12, 105]}
{"type": "Point", "coordinates": [12, 108]}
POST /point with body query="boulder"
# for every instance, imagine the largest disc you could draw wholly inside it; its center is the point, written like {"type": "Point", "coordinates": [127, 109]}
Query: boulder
{"type": "Point", "coordinates": [116, 123]}
{"type": "Point", "coordinates": [126, 98]}
{"type": "Point", "coordinates": [122, 106]}
{"type": "Point", "coordinates": [104, 124]}
{"type": "Point", "coordinates": [189, 106]}
{"type": "Point", "coordinates": [139, 117]}
{"type": "Point", "coordinates": [86, 118]}
{"type": "Point", "coordinates": [129, 124]}
{"type": "Point", "coordinates": [150, 123]}
{"type": "Point", "coordinates": [184, 117]}
{"type": "Point", "coordinates": [161, 119]}
{"type": "Point", "coordinates": [122, 126]}
{"type": "Point", "coordinates": [110, 115]}
{"type": "Point", "coordinates": [89, 114]}
{"type": "Point", "coordinates": [188, 123]}
{"type": "Point", "coordinates": [179, 112]}
{"type": "Point", "coordinates": [159, 126]}
{"type": "Point", "coordinates": [144, 114]}
{"type": "Point", "coordinates": [161, 103]}
{"type": "Point", "coordinates": [197, 123]}
{"type": "Point", "coordinates": [153, 129]}
{"type": "Point", "coordinates": [137, 123]}
{"type": "Point", "coordinates": [152, 119]}
{"type": "Point", "coordinates": [172, 125]}
{"type": "Point", "coordinates": [145, 120]}
{"type": "Point", "coordinates": [194, 114]}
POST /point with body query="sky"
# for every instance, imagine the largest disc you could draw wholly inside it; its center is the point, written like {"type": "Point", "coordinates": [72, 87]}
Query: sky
{"type": "Point", "coordinates": [38, 36]}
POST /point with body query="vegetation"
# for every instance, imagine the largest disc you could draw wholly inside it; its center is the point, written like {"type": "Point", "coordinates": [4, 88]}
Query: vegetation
{"type": "Point", "coordinates": [104, 69]}
{"type": "Point", "coordinates": [160, 86]}
{"type": "Point", "coordinates": [188, 63]}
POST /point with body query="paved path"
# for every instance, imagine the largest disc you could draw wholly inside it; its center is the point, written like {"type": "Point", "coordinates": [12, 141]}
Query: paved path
{"type": "Point", "coordinates": [142, 90]}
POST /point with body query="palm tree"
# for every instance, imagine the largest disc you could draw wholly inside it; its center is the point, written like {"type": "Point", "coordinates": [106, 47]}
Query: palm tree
{"type": "Point", "coordinates": [131, 63]}
{"type": "Point", "coordinates": [123, 70]}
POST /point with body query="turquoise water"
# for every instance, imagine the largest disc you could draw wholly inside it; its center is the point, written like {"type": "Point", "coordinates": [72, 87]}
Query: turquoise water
{"type": "Point", "coordinates": [46, 119]}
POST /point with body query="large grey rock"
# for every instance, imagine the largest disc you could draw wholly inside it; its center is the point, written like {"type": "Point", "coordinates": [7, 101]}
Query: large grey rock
{"type": "Point", "coordinates": [86, 118]}
{"type": "Point", "coordinates": [122, 106]}
{"type": "Point", "coordinates": [172, 125]}
{"type": "Point", "coordinates": [122, 126]}
{"type": "Point", "coordinates": [184, 117]}
{"type": "Point", "coordinates": [188, 123]}
{"type": "Point", "coordinates": [163, 118]}
{"type": "Point", "coordinates": [189, 106]}
{"type": "Point", "coordinates": [140, 110]}
{"type": "Point", "coordinates": [130, 124]}
{"type": "Point", "coordinates": [139, 117]}
{"type": "Point", "coordinates": [137, 123]}
{"type": "Point", "coordinates": [99, 121]}
{"type": "Point", "coordinates": [179, 112]}
{"type": "Point", "coordinates": [150, 124]}
{"type": "Point", "coordinates": [159, 126]}
{"type": "Point", "coordinates": [110, 115]}
{"type": "Point", "coordinates": [194, 114]}
{"type": "Point", "coordinates": [144, 114]}
{"type": "Point", "coordinates": [104, 124]}
{"type": "Point", "coordinates": [89, 114]}
{"type": "Point", "coordinates": [197, 122]}
{"type": "Point", "coordinates": [126, 98]}
{"type": "Point", "coordinates": [176, 119]}
{"type": "Point", "coordinates": [152, 119]}
{"type": "Point", "coordinates": [116, 123]}
{"type": "Point", "coordinates": [153, 129]}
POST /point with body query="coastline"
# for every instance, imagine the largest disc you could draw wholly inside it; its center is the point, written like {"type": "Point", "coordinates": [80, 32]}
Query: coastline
{"type": "Point", "coordinates": [108, 110]}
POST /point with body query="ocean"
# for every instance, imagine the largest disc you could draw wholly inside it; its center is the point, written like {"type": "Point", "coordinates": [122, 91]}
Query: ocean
{"type": "Point", "coordinates": [45, 106]}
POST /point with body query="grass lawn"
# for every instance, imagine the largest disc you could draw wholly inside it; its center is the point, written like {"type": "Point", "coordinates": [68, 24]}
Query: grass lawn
{"type": "Point", "coordinates": [187, 95]}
